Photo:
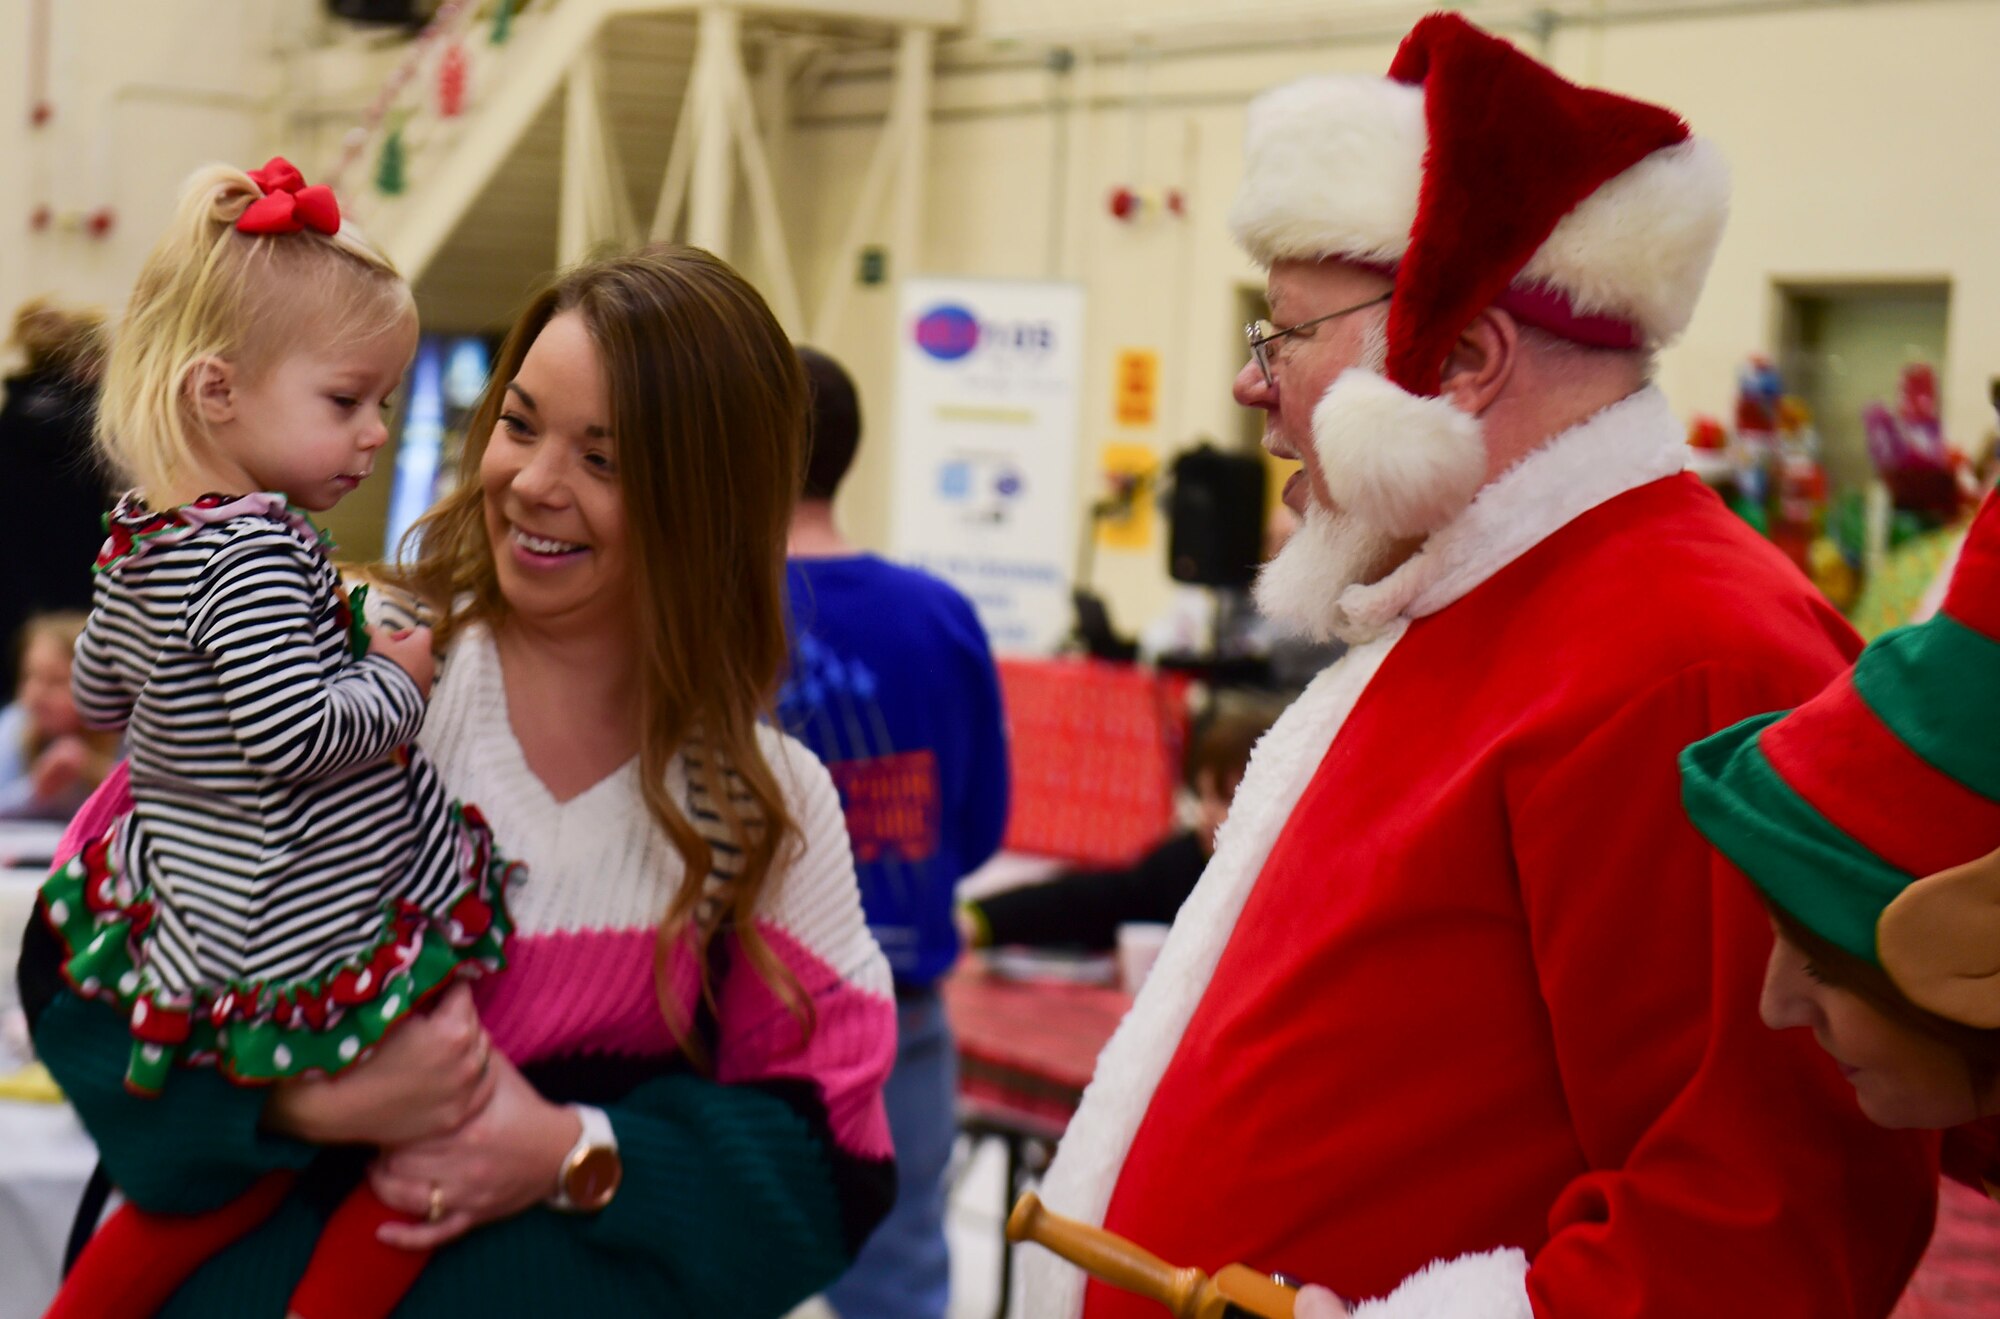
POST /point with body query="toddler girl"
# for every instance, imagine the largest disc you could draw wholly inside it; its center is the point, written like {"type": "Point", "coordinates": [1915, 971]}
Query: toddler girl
{"type": "Point", "coordinates": [291, 881]}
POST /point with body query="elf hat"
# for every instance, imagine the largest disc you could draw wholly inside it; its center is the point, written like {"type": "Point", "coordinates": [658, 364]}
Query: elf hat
{"type": "Point", "coordinates": [1858, 812]}
{"type": "Point", "coordinates": [1476, 177]}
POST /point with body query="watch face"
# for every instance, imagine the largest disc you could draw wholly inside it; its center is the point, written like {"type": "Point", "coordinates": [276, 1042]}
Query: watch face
{"type": "Point", "coordinates": [593, 1178]}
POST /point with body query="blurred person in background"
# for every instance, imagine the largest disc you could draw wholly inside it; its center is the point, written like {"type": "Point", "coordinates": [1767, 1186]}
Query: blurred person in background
{"type": "Point", "coordinates": [1226, 621]}
{"type": "Point", "coordinates": [57, 493]}
{"type": "Point", "coordinates": [1084, 908]}
{"type": "Point", "coordinates": [49, 762]}
{"type": "Point", "coordinates": [892, 685]}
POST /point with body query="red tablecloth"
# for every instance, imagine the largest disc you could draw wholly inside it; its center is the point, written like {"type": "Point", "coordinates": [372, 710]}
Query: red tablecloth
{"type": "Point", "coordinates": [1095, 754]}
{"type": "Point", "coordinates": [1026, 1050]}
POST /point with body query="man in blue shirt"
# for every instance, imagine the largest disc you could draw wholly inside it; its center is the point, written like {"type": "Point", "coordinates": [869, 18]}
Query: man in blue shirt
{"type": "Point", "coordinates": [893, 686]}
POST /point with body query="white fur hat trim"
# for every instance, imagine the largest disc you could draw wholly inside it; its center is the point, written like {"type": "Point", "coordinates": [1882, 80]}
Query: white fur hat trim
{"type": "Point", "coordinates": [1333, 166]}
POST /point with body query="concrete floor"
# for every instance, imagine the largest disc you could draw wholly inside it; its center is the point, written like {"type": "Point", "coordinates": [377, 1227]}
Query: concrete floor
{"type": "Point", "coordinates": [973, 1228]}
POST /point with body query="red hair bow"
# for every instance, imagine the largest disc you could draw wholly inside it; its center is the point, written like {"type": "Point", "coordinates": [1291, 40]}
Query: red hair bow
{"type": "Point", "coordinates": [288, 205]}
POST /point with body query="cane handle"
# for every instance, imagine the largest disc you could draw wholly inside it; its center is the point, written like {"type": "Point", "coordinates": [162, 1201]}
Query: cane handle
{"type": "Point", "coordinates": [1108, 1256]}
{"type": "Point", "coordinates": [1254, 1293]}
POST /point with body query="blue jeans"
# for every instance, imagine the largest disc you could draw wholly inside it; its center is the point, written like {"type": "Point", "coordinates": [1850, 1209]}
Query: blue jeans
{"type": "Point", "coordinates": [904, 1270]}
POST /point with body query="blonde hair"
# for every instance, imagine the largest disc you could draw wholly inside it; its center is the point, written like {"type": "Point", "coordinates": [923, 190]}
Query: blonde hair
{"type": "Point", "coordinates": [62, 626]}
{"type": "Point", "coordinates": [66, 340]}
{"type": "Point", "coordinates": [209, 290]}
{"type": "Point", "coordinates": [708, 401]}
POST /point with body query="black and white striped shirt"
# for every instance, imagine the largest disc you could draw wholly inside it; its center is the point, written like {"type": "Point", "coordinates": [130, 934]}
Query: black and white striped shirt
{"type": "Point", "coordinates": [271, 820]}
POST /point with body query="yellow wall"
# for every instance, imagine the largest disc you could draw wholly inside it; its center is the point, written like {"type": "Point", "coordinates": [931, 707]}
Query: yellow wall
{"type": "Point", "coordinates": [1866, 145]}
{"type": "Point", "coordinates": [1865, 137]}
{"type": "Point", "coordinates": [1865, 142]}
{"type": "Point", "coordinates": [144, 91]}
{"type": "Point", "coordinates": [1171, 285]}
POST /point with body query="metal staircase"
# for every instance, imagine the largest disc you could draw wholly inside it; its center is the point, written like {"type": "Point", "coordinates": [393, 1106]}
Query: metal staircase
{"type": "Point", "coordinates": [609, 122]}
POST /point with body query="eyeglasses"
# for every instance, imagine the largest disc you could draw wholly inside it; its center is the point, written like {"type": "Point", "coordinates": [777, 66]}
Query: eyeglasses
{"type": "Point", "coordinates": [1261, 333]}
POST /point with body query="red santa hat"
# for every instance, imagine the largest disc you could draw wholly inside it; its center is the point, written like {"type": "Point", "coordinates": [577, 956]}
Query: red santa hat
{"type": "Point", "coordinates": [1476, 177]}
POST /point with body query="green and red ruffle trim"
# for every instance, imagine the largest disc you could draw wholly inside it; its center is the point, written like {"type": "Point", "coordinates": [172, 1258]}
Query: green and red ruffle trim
{"type": "Point", "coordinates": [131, 527]}
{"type": "Point", "coordinates": [263, 1031]}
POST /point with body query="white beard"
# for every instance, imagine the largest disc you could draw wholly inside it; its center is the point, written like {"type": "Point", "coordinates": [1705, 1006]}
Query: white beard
{"type": "Point", "coordinates": [1300, 587]}
{"type": "Point", "coordinates": [1302, 584]}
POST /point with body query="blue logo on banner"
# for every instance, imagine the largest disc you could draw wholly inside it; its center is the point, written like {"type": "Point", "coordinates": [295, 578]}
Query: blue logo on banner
{"type": "Point", "coordinates": [947, 332]}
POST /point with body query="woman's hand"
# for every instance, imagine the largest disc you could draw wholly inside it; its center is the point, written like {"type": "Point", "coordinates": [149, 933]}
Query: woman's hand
{"type": "Point", "coordinates": [1319, 1303]}
{"type": "Point", "coordinates": [59, 768]}
{"type": "Point", "coordinates": [505, 1159]}
{"type": "Point", "coordinates": [433, 1073]}
{"type": "Point", "coordinates": [410, 650]}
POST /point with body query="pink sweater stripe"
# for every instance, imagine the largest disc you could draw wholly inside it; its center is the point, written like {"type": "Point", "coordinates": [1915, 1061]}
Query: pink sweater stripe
{"type": "Point", "coordinates": [852, 1048]}
{"type": "Point", "coordinates": [570, 991]}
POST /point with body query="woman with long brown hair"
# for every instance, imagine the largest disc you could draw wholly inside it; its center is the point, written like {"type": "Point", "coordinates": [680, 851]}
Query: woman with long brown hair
{"type": "Point", "coordinates": [669, 1104]}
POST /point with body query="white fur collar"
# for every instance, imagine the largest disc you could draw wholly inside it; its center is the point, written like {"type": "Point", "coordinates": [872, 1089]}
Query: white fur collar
{"type": "Point", "coordinates": [1629, 444]}
{"type": "Point", "coordinates": [1634, 441]}
{"type": "Point", "coordinates": [1086, 1166]}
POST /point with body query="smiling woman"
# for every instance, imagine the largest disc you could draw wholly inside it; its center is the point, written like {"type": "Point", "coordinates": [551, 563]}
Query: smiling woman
{"type": "Point", "coordinates": [681, 1111]}
{"type": "Point", "coordinates": [636, 468]}
{"type": "Point", "coordinates": [554, 508]}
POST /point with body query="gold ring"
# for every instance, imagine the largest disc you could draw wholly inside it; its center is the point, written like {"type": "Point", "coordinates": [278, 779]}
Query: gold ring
{"type": "Point", "coordinates": [436, 1214]}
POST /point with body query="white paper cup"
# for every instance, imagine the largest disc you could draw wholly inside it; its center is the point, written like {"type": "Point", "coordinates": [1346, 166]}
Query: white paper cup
{"type": "Point", "coordinates": [1139, 944]}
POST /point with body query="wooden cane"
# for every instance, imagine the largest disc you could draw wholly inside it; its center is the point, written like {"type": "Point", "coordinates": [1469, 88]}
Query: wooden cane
{"type": "Point", "coordinates": [1188, 1293]}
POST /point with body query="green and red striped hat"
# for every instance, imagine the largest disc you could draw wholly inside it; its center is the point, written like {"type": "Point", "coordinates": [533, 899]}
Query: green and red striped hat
{"type": "Point", "coordinates": [1855, 812]}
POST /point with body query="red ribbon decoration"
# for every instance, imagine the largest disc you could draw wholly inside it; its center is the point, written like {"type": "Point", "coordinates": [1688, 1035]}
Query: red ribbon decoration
{"type": "Point", "coordinates": [288, 205]}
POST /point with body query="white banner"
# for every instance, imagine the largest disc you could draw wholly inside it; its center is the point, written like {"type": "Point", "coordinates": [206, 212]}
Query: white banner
{"type": "Point", "coordinates": [989, 381]}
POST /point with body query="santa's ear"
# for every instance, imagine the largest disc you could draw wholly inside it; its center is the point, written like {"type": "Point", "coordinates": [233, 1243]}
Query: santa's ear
{"type": "Point", "coordinates": [1481, 361]}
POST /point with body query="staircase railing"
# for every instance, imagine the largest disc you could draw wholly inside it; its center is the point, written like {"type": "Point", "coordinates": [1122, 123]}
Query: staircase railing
{"type": "Point", "coordinates": [413, 166]}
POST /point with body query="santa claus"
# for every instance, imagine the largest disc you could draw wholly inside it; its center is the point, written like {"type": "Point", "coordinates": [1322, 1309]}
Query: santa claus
{"type": "Point", "coordinates": [1463, 1015]}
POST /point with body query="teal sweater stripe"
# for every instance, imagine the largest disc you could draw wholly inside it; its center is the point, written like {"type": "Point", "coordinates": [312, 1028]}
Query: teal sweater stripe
{"type": "Point", "coordinates": [196, 1146]}
{"type": "Point", "coordinates": [728, 1206]}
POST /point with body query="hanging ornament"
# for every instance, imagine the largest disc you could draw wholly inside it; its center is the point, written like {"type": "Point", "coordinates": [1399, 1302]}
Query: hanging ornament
{"type": "Point", "coordinates": [503, 22]}
{"type": "Point", "coordinates": [451, 81]}
{"type": "Point", "coordinates": [40, 108]}
{"type": "Point", "coordinates": [389, 180]}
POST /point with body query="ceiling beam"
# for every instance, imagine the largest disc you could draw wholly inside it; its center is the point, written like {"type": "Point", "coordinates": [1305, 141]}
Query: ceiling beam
{"type": "Point", "coordinates": [897, 13]}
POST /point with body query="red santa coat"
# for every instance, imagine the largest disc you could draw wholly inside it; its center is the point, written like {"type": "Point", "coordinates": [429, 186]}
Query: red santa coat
{"type": "Point", "coordinates": [1461, 984]}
